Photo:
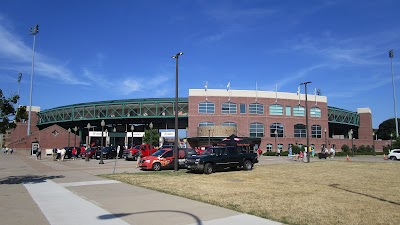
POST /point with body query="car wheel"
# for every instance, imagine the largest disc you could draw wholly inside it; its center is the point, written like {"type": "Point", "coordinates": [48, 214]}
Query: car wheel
{"type": "Point", "coordinates": [392, 158]}
{"type": "Point", "coordinates": [248, 165]}
{"type": "Point", "coordinates": [208, 169]}
{"type": "Point", "coordinates": [156, 166]}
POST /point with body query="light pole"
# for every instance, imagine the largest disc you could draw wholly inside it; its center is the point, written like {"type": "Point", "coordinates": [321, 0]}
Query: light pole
{"type": "Point", "coordinates": [19, 84]}
{"type": "Point", "coordinates": [209, 141]}
{"type": "Point", "coordinates": [307, 132]}
{"type": "Point", "coordinates": [88, 143]}
{"type": "Point", "coordinates": [101, 147]}
{"type": "Point", "coordinates": [69, 135]}
{"type": "Point", "coordinates": [326, 146]}
{"type": "Point", "coordinates": [75, 129]}
{"type": "Point", "coordinates": [132, 129]}
{"type": "Point", "coordinates": [34, 31]}
{"type": "Point", "coordinates": [151, 138]}
{"type": "Point", "coordinates": [373, 143]}
{"type": "Point", "coordinates": [352, 146]}
{"type": "Point", "coordinates": [116, 157]}
{"type": "Point", "coordinates": [391, 141]}
{"type": "Point", "coordinates": [176, 113]}
{"type": "Point", "coordinates": [275, 134]}
{"type": "Point", "coordinates": [391, 55]}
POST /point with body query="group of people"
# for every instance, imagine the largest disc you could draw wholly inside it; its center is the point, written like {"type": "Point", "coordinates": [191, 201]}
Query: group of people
{"type": "Point", "coordinates": [6, 150]}
{"type": "Point", "coordinates": [59, 154]}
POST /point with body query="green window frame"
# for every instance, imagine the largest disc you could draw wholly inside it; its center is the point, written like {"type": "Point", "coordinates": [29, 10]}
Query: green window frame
{"type": "Point", "coordinates": [229, 108]}
{"type": "Point", "coordinates": [276, 110]}
{"type": "Point", "coordinates": [299, 111]}
{"type": "Point", "coordinates": [315, 112]}
{"type": "Point", "coordinates": [206, 107]}
{"type": "Point", "coordinates": [256, 108]}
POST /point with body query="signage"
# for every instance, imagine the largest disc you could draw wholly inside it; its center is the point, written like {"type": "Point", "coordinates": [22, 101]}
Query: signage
{"type": "Point", "coordinates": [168, 134]}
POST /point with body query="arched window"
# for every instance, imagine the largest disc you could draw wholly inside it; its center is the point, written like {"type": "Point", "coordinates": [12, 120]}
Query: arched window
{"type": "Point", "coordinates": [276, 109]}
{"type": "Point", "coordinates": [229, 124]}
{"type": "Point", "coordinates": [299, 110]}
{"type": "Point", "coordinates": [256, 130]}
{"type": "Point", "coordinates": [269, 147]}
{"type": "Point", "coordinates": [256, 108]}
{"type": "Point", "coordinates": [278, 127]}
{"type": "Point", "coordinates": [300, 130]}
{"type": "Point", "coordinates": [206, 124]}
{"type": "Point", "coordinates": [316, 131]}
{"type": "Point", "coordinates": [207, 107]}
{"type": "Point", "coordinates": [315, 112]}
{"type": "Point", "coordinates": [229, 108]}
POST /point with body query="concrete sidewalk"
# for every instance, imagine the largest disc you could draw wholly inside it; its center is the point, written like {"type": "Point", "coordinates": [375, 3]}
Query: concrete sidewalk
{"type": "Point", "coordinates": [54, 192]}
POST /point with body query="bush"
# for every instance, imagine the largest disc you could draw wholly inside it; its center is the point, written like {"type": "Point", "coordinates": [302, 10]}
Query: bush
{"type": "Point", "coordinates": [295, 149]}
{"type": "Point", "coordinates": [345, 148]}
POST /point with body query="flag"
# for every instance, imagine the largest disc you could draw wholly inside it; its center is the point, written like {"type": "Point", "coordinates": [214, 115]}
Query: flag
{"type": "Point", "coordinates": [298, 93]}
{"type": "Point", "coordinates": [19, 77]}
{"type": "Point", "coordinates": [315, 93]}
{"type": "Point", "coordinates": [206, 86]}
{"type": "Point", "coordinates": [228, 87]}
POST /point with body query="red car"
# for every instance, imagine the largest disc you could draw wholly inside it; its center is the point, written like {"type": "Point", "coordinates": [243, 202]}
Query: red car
{"type": "Point", "coordinates": [161, 159]}
{"type": "Point", "coordinates": [90, 152]}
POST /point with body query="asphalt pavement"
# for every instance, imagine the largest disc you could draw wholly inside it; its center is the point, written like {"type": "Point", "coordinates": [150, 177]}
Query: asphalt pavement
{"type": "Point", "coordinates": [70, 192]}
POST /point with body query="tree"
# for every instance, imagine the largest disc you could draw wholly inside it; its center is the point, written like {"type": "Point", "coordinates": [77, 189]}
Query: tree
{"type": "Point", "coordinates": [151, 136]}
{"type": "Point", "coordinates": [8, 115]}
{"type": "Point", "coordinates": [386, 128]}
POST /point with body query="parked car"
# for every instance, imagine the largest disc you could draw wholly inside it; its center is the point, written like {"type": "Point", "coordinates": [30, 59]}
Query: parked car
{"type": "Point", "coordinates": [90, 152]}
{"type": "Point", "coordinates": [133, 153]}
{"type": "Point", "coordinates": [394, 154]}
{"type": "Point", "coordinates": [108, 153]}
{"type": "Point", "coordinates": [183, 154]}
{"type": "Point", "coordinates": [216, 158]}
{"type": "Point", "coordinates": [161, 159]}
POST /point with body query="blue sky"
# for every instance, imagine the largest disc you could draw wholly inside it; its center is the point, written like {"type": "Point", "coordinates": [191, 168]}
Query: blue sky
{"type": "Point", "coordinates": [105, 50]}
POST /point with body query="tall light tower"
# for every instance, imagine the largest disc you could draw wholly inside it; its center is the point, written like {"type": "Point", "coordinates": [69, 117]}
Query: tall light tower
{"type": "Point", "coordinates": [19, 84]}
{"type": "Point", "coordinates": [391, 55]}
{"type": "Point", "coordinates": [176, 113]}
{"type": "Point", "coordinates": [307, 129]}
{"type": "Point", "coordinates": [34, 31]}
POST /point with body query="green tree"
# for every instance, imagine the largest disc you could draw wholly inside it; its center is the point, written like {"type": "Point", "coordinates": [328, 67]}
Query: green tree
{"type": "Point", "coordinates": [151, 136]}
{"type": "Point", "coordinates": [8, 115]}
{"type": "Point", "coordinates": [386, 128]}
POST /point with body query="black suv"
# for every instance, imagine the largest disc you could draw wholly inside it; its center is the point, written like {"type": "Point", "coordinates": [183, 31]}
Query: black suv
{"type": "Point", "coordinates": [108, 153]}
{"type": "Point", "coordinates": [68, 152]}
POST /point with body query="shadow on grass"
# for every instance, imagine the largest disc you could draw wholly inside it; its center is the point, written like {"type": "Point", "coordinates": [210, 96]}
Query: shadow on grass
{"type": "Point", "coordinates": [26, 179]}
{"type": "Point", "coordinates": [117, 215]}
{"type": "Point", "coordinates": [354, 192]}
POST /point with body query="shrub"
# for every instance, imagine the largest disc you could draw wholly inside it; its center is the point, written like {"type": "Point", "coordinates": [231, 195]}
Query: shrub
{"type": "Point", "coordinates": [345, 148]}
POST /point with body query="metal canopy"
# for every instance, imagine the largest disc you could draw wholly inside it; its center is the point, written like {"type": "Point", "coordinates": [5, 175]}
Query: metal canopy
{"type": "Point", "coordinates": [341, 116]}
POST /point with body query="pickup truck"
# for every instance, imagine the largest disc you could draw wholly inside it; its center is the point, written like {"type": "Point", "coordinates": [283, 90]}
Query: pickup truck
{"type": "Point", "coordinates": [133, 153]}
{"type": "Point", "coordinates": [216, 158]}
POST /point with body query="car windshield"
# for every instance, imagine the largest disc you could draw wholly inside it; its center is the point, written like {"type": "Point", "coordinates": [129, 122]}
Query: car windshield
{"type": "Point", "coordinates": [159, 152]}
{"type": "Point", "coordinates": [209, 151]}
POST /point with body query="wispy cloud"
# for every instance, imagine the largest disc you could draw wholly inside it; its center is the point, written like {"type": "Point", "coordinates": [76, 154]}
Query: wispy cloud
{"type": "Point", "coordinates": [17, 54]}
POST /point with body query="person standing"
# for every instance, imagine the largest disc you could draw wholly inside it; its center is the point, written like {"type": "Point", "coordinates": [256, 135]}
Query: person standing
{"type": "Point", "coordinates": [74, 153]}
{"type": "Point", "coordinates": [139, 158]}
{"type": "Point", "coordinates": [332, 152]}
{"type": "Point", "coordinates": [38, 154]}
{"type": "Point", "coordinates": [11, 151]}
{"type": "Point", "coordinates": [279, 152]}
{"type": "Point", "coordinates": [63, 151]}
{"type": "Point", "coordinates": [54, 153]}
{"type": "Point", "coordinates": [118, 150]}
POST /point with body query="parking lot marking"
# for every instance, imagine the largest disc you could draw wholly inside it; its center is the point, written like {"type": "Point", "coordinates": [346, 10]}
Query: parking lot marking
{"type": "Point", "coordinates": [60, 206]}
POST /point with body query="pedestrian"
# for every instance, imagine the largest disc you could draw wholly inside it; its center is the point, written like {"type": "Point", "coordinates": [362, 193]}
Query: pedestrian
{"type": "Point", "coordinates": [62, 154]}
{"type": "Point", "coordinates": [6, 150]}
{"type": "Point", "coordinates": [11, 151]}
{"type": "Point", "coordinates": [301, 155]}
{"type": "Point", "coordinates": [58, 154]}
{"type": "Point", "coordinates": [313, 152]}
{"type": "Point", "coordinates": [74, 153]}
{"type": "Point", "coordinates": [38, 154]}
{"type": "Point", "coordinates": [290, 152]}
{"type": "Point", "coordinates": [138, 158]}
{"type": "Point", "coordinates": [332, 152]}
{"type": "Point", "coordinates": [279, 152]}
{"type": "Point", "coordinates": [259, 151]}
{"type": "Point", "coordinates": [54, 153]}
{"type": "Point", "coordinates": [118, 150]}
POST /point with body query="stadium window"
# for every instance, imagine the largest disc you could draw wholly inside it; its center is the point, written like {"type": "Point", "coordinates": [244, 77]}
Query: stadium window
{"type": "Point", "coordinates": [242, 108]}
{"type": "Point", "coordinates": [207, 107]}
{"type": "Point", "coordinates": [256, 108]}
{"type": "Point", "coordinates": [300, 130]}
{"type": "Point", "coordinates": [276, 110]}
{"type": "Point", "coordinates": [256, 130]}
{"type": "Point", "coordinates": [206, 124]}
{"type": "Point", "coordinates": [229, 108]}
{"type": "Point", "coordinates": [315, 112]}
{"type": "Point", "coordinates": [288, 111]}
{"type": "Point", "coordinates": [316, 131]}
{"type": "Point", "coordinates": [278, 127]}
{"type": "Point", "coordinates": [229, 124]}
{"type": "Point", "coordinates": [298, 111]}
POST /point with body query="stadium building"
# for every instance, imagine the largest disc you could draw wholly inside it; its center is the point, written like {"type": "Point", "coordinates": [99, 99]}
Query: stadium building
{"type": "Point", "coordinates": [266, 119]}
